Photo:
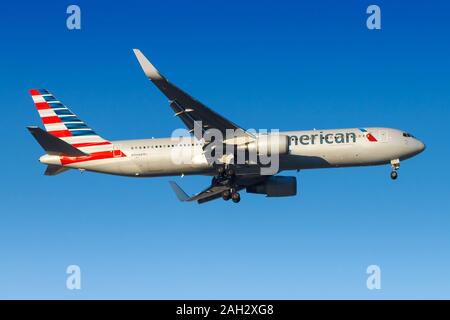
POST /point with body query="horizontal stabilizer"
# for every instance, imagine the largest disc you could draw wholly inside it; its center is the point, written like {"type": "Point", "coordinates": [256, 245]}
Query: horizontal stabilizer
{"type": "Point", "coordinates": [181, 195]}
{"type": "Point", "coordinates": [54, 145]}
{"type": "Point", "coordinates": [53, 170]}
{"type": "Point", "coordinates": [210, 193]}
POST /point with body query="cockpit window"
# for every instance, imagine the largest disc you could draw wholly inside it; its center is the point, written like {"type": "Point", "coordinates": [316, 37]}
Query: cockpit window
{"type": "Point", "coordinates": [407, 135]}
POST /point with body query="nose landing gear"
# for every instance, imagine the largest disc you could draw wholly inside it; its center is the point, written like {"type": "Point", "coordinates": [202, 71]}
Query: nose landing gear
{"type": "Point", "coordinates": [395, 165]}
{"type": "Point", "coordinates": [394, 175]}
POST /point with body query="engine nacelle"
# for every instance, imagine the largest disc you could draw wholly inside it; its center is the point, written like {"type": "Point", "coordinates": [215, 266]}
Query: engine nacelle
{"type": "Point", "coordinates": [276, 186]}
{"type": "Point", "coordinates": [269, 144]}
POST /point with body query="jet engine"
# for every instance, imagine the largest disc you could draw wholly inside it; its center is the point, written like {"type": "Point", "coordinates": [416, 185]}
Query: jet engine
{"type": "Point", "coordinates": [269, 144]}
{"type": "Point", "coordinates": [276, 186]}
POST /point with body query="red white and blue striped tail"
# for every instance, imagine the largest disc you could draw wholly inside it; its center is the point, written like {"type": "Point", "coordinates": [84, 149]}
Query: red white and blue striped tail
{"type": "Point", "coordinates": [64, 124]}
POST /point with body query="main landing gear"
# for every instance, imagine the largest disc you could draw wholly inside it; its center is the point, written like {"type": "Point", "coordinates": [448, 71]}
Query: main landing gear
{"type": "Point", "coordinates": [395, 165]}
{"type": "Point", "coordinates": [231, 194]}
{"type": "Point", "coordinates": [226, 177]}
{"type": "Point", "coordinates": [226, 195]}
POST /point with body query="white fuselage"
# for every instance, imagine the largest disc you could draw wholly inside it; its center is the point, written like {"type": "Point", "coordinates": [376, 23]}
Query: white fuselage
{"type": "Point", "coordinates": [307, 150]}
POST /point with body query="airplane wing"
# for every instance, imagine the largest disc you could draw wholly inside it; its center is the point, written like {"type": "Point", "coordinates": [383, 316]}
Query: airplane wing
{"type": "Point", "coordinates": [214, 191]}
{"type": "Point", "coordinates": [188, 109]}
{"type": "Point", "coordinates": [193, 114]}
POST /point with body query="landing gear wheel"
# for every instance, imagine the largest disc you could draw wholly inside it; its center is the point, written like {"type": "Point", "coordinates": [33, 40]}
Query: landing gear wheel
{"type": "Point", "coordinates": [236, 197]}
{"type": "Point", "coordinates": [226, 195]}
{"type": "Point", "coordinates": [394, 175]}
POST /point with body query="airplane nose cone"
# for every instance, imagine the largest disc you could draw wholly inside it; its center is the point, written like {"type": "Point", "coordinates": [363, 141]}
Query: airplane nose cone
{"type": "Point", "coordinates": [420, 146]}
{"type": "Point", "coordinates": [423, 147]}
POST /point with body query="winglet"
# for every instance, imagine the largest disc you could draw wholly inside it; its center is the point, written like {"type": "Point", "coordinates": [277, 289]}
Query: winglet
{"type": "Point", "coordinates": [181, 195]}
{"type": "Point", "coordinates": [149, 70]}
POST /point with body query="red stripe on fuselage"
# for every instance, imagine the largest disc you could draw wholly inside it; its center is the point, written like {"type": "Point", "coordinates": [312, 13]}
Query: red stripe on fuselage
{"type": "Point", "coordinates": [90, 144]}
{"type": "Point", "coordinates": [93, 156]}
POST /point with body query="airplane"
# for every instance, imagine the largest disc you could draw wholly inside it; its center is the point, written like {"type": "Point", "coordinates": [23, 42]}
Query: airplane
{"type": "Point", "coordinates": [69, 143]}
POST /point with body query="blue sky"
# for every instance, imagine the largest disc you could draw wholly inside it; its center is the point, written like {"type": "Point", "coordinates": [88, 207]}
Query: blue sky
{"type": "Point", "coordinates": [264, 64]}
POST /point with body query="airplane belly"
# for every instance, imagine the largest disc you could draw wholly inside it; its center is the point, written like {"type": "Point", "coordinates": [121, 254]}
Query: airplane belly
{"type": "Point", "coordinates": [343, 155]}
{"type": "Point", "coordinates": [116, 166]}
{"type": "Point", "coordinates": [164, 164]}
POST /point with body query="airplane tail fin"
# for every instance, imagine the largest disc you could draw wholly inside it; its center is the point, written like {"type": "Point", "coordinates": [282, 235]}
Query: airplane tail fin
{"type": "Point", "coordinates": [62, 123]}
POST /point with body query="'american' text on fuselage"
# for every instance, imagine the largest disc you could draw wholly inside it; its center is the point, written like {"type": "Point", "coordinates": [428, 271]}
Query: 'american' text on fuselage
{"type": "Point", "coordinates": [321, 138]}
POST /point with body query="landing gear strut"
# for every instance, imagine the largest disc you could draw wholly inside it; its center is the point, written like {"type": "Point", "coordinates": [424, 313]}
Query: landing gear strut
{"type": "Point", "coordinates": [221, 170]}
{"type": "Point", "coordinates": [226, 177]}
{"type": "Point", "coordinates": [226, 170]}
{"type": "Point", "coordinates": [395, 165]}
{"type": "Point", "coordinates": [230, 171]}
